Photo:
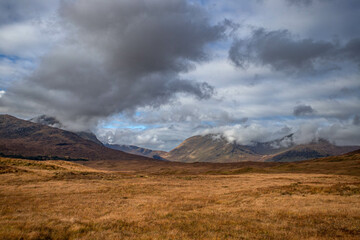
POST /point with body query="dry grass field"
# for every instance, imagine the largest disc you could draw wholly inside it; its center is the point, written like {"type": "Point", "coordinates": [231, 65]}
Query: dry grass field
{"type": "Point", "coordinates": [63, 200]}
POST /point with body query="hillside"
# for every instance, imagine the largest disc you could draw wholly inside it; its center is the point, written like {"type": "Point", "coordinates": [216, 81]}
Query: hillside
{"type": "Point", "coordinates": [28, 139]}
{"type": "Point", "coordinates": [53, 122]}
{"type": "Point", "coordinates": [212, 148]}
{"type": "Point", "coordinates": [137, 150]}
{"type": "Point", "coordinates": [318, 149]}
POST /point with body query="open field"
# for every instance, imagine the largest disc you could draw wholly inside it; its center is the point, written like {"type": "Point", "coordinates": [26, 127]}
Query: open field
{"type": "Point", "coordinates": [63, 200]}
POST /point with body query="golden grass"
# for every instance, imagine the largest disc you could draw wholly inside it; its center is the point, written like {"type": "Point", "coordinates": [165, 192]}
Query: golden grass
{"type": "Point", "coordinates": [62, 200]}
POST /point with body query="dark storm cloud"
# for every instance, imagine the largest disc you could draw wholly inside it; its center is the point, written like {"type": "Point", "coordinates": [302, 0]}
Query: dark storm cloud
{"type": "Point", "coordinates": [303, 110]}
{"type": "Point", "coordinates": [284, 52]}
{"type": "Point", "coordinates": [352, 50]}
{"type": "Point", "coordinates": [145, 36]}
{"type": "Point", "coordinates": [118, 55]}
{"type": "Point", "coordinates": [356, 120]}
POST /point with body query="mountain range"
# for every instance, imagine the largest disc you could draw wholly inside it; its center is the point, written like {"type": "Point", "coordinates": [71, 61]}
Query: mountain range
{"type": "Point", "coordinates": [216, 149]}
{"type": "Point", "coordinates": [42, 137]}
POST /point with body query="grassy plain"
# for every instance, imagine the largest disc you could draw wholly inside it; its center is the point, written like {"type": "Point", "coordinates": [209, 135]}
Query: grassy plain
{"type": "Point", "coordinates": [63, 200]}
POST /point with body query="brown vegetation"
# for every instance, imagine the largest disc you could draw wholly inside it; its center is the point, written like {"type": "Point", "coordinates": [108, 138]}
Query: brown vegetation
{"type": "Point", "coordinates": [64, 200]}
{"type": "Point", "coordinates": [347, 164]}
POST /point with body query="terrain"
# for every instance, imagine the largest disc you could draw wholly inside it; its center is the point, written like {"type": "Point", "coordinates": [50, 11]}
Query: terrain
{"type": "Point", "coordinates": [138, 150]}
{"type": "Point", "coordinates": [53, 122]}
{"type": "Point", "coordinates": [24, 139]}
{"type": "Point", "coordinates": [214, 148]}
{"type": "Point", "coordinates": [65, 200]}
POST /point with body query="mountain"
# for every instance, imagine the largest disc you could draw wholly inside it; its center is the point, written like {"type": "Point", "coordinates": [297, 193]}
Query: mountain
{"type": "Point", "coordinates": [214, 148]}
{"type": "Point", "coordinates": [53, 122]}
{"type": "Point", "coordinates": [89, 136]}
{"type": "Point", "coordinates": [137, 150]}
{"type": "Point", "coordinates": [210, 148]}
{"type": "Point", "coordinates": [315, 149]}
{"type": "Point", "coordinates": [345, 164]}
{"type": "Point", "coordinates": [27, 139]}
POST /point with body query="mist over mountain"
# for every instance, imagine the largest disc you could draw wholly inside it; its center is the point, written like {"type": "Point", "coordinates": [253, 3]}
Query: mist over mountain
{"type": "Point", "coordinates": [53, 122]}
{"type": "Point", "coordinates": [216, 148]}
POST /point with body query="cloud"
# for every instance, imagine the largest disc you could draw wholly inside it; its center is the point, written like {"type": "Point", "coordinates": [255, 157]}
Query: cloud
{"type": "Point", "coordinates": [356, 120]}
{"type": "Point", "coordinates": [12, 69]}
{"type": "Point", "coordinates": [352, 51]}
{"type": "Point", "coordinates": [19, 10]}
{"type": "Point", "coordinates": [28, 28]}
{"type": "Point", "coordinates": [339, 133]}
{"type": "Point", "coordinates": [282, 51]}
{"type": "Point", "coordinates": [118, 55]}
{"type": "Point", "coordinates": [303, 110]}
{"type": "Point", "coordinates": [300, 2]}
{"type": "Point", "coordinates": [247, 134]}
{"type": "Point", "coordinates": [22, 39]}
{"type": "Point", "coordinates": [164, 137]}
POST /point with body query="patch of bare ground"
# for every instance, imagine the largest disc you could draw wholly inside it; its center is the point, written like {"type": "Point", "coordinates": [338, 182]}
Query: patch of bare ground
{"type": "Point", "coordinates": [62, 200]}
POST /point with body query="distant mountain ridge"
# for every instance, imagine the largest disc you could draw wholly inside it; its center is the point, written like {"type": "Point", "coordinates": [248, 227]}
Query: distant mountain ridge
{"type": "Point", "coordinates": [215, 148]}
{"type": "Point", "coordinates": [138, 150]}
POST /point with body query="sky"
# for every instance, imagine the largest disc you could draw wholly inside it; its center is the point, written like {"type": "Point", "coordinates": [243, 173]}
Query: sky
{"type": "Point", "coordinates": [153, 73]}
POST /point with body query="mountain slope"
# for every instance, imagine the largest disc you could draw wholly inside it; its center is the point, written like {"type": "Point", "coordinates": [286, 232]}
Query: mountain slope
{"type": "Point", "coordinates": [212, 148]}
{"type": "Point", "coordinates": [20, 137]}
{"type": "Point", "coordinates": [318, 149]}
{"type": "Point", "coordinates": [89, 136]}
{"type": "Point", "coordinates": [137, 150]}
{"type": "Point", "coordinates": [345, 164]}
{"type": "Point", "coordinates": [53, 122]}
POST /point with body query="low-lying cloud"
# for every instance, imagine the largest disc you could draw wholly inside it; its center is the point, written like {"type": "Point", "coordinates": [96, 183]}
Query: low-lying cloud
{"type": "Point", "coordinates": [337, 133]}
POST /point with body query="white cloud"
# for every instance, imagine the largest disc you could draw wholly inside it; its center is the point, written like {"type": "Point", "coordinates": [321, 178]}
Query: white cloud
{"type": "Point", "coordinates": [27, 39]}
